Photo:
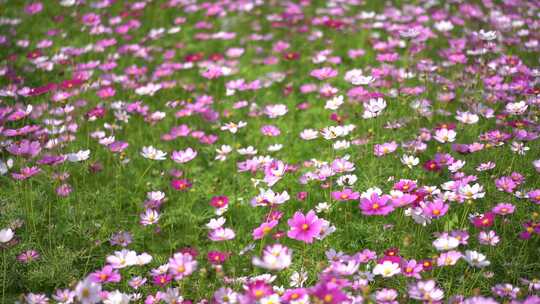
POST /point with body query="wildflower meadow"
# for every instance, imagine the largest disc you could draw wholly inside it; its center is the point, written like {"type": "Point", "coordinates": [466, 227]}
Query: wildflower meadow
{"type": "Point", "coordinates": [269, 151]}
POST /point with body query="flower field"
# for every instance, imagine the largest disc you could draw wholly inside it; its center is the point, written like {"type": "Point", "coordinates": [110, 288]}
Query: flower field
{"type": "Point", "coordinates": [269, 151]}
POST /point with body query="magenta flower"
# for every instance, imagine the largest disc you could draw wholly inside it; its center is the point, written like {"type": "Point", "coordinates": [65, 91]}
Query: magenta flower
{"type": "Point", "coordinates": [534, 196]}
{"type": "Point", "coordinates": [484, 221]}
{"type": "Point", "coordinates": [403, 200]}
{"type": "Point", "coordinates": [25, 148]}
{"type": "Point", "coordinates": [33, 8]}
{"type": "Point", "coordinates": [411, 269]}
{"type": "Point", "coordinates": [329, 293]}
{"type": "Point", "coordinates": [503, 209]}
{"type": "Point", "coordinates": [376, 205]}
{"type": "Point", "coordinates": [219, 201]}
{"type": "Point", "coordinates": [263, 230]}
{"type": "Point", "coordinates": [345, 195]}
{"type": "Point", "coordinates": [162, 279]}
{"type": "Point", "coordinates": [181, 184]}
{"type": "Point", "coordinates": [405, 185]}
{"type": "Point", "coordinates": [106, 275]}
{"type": "Point", "coordinates": [217, 257]}
{"type": "Point", "coordinates": [304, 227]}
{"type": "Point", "coordinates": [530, 228]}
{"type": "Point", "coordinates": [435, 209]}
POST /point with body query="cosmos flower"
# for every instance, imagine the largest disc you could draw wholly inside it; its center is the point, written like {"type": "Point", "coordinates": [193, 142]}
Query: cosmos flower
{"type": "Point", "coordinates": [387, 269]}
{"type": "Point", "coordinates": [376, 205]}
{"type": "Point", "coordinates": [152, 153]}
{"type": "Point", "coordinates": [275, 257]}
{"type": "Point", "coordinates": [304, 227]}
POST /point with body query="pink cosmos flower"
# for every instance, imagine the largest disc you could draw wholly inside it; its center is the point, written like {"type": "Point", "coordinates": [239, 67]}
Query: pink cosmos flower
{"type": "Point", "coordinates": [376, 205]}
{"type": "Point", "coordinates": [25, 173]}
{"type": "Point", "coordinates": [385, 148]}
{"type": "Point", "coordinates": [403, 200]}
{"type": "Point", "coordinates": [405, 185]}
{"type": "Point", "coordinates": [274, 171]}
{"type": "Point", "coordinates": [265, 228]}
{"type": "Point", "coordinates": [345, 195]}
{"type": "Point", "coordinates": [534, 196]}
{"type": "Point", "coordinates": [506, 184]}
{"type": "Point", "coordinates": [33, 8]}
{"type": "Point", "coordinates": [106, 275]}
{"type": "Point", "coordinates": [503, 209]}
{"type": "Point", "coordinates": [25, 148]}
{"type": "Point", "coordinates": [182, 265]}
{"type": "Point", "coordinates": [324, 73]}
{"type": "Point", "coordinates": [183, 156]}
{"type": "Point", "coordinates": [329, 293]}
{"type": "Point", "coordinates": [435, 209]}
{"type": "Point", "coordinates": [304, 227]}
{"type": "Point", "coordinates": [221, 234]}
{"type": "Point", "coordinates": [28, 256]}
{"type": "Point", "coordinates": [411, 269]}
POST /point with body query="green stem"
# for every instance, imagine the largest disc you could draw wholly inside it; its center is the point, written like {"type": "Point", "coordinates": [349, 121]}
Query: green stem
{"type": "Point", "coordinates": [4, 263]}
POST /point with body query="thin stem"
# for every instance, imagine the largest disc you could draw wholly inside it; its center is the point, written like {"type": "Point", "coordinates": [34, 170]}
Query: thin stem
{"type": "Point", "coordinates": [4, 263]}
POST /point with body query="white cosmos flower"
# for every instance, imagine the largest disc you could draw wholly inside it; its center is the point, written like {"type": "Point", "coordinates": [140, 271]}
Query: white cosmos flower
{"type": "Point", "coordinates": [445, 135]}
{"type": "Point", "coordinates": [222, 152]}
{"type": "Point", "coordinates": [149, 89]}
{"type": "Point", "coordinates": [6, 235]}
{"type": "Point", "coordinates": [373, 108]}
{"type": "Point", "coordinates": [250, 150]}
{"type": "Point", "coordinates": [444, 26]}
{"type": "Point", "coordinates": [347, 180]}
{"type": "Point", "coordinates": [476, 259]}
{"type": "Point", "coordinates": [516, 108]}
{"type": "Point", "coordinates": [456, 166]}
{"type": "Point", "coordinates": [467, 117]}
{"type": "Point", "coordinates": [233, 127]}
{"type": "Point", "coordinates": [5, 166]}
{"type": "Point", "coordinates": [117, 297]}
{"type": "Point", "coordinates": [410, 160]}
{"type": "Point", "coordinates": [387, 269]}
{"type": "Point", "coordinates": [122, 259]}
{"type": "Point", "coordinates": [298, 278]}
{"type": "Point", "coordinates": [152, 153]}
{"type": "Point", "coordinates": [275, 147]}
{"type": "Point", "coordinates": [334, 103]}
{"type": "Point", "coordinates": [341, 144]}
{"type": "Point", "coordinates": [322, 207]}
{"type": "Point", "coordinates": [473, 192]}
{"type": "Point", "coordinates": [487, 35]}
{"type": "Point", "coordinates": [445, 243]}
{"type": "Point", "coordinates": [88, 292]}
{"type": "Point", "coordinates": [79, 156]}
{"type": "Point", "coordinates": [275, 110]}
{"type": "Point", "coordinates": [309, 134]}
{"type": "Point", "coordinates": [216, 223]}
